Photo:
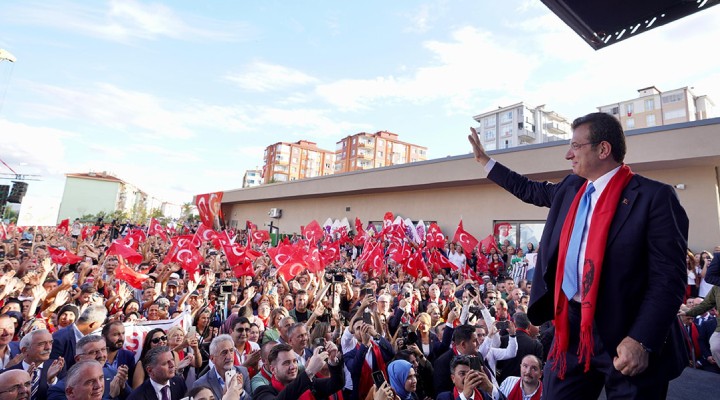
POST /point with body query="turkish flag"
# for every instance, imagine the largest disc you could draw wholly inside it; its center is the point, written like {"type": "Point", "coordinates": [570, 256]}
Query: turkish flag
{"type": "Point", "coordinates": [374, 260]}
{"type": "Point", "coordinates": [313, 232]}
{"type": "Point", "coordinates": [250, 226]}
{"type": "Point", "coordinates": [245, 268]}
{"type": "Point", "coordinates": [188, 257]}
{"type": "Point", "coordinates": [129, 275]}
{"type": "Point", "coordinates": [488, 243]}
{"type": "Point", "coordinates": [281, 254]}
{"type": "Point", "coordinates": [64, 226]}
{"type": "Point", "coordinates": [205, 234]}
{"type": "Point", "coordinates": [89, 231]}
{"type": "Point", "coordinates": [415, 266]}
{"type": "Point", "coordinates": [398, 252]}
{"type": "Point", "coordinates": [294, 265]}
{"type": "Point", "coordinates": [466, 240]}
{"type": "Point", "coordinates": [138, 237]}
{"type": "Point", "coordinates": [396, 233]}
{"type": "Point", "coordinates": [156, 229]}
{"type": "Point", "coordinates": [260, 236]}
{"type": "Point", "coordinates": [179, 242]}
{"type": "Point", "coordinates": [482, 264]}
{"type": "Point", "coordinates": [388, 218]}
{"type": "Point", "coordinates": [330, 252]}
{"type": "Point", "coordinates": [125, 252]}
{"type": "Point", "coordinates": [63, 256]}
{"type": "Point", "coordinates": [435, 237]}
{"type": "Point", "coordinates": [438, 260]}
{"type": "Point", "coordinates": [314, 259]}
{"type": "Point", "coordinates": [208, 206]}
{"type": "Point", "coordinates": [224, 239]}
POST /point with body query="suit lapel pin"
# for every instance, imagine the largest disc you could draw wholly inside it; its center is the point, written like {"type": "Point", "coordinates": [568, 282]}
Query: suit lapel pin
{"type": "Point", "coordinates": [625, 201]}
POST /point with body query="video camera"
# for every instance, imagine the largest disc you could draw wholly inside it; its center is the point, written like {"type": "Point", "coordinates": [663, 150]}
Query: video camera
{"type": "Point", "coordinates": [336, 275]}
{"type": "Point", "coordinates": [408, 337]}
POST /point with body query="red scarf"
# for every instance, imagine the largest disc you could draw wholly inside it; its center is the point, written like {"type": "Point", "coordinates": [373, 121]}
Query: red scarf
{"type": "Point", "coordinates": [366, 380]}
{"type": "Point", "coordinates": [594, 252]}
{"type": "Point", "coordinates": [238, 362]}
{"type": "Point", "coordinates": [517, 394]}
{"type": "Point", "coordinates": [477, 394]}
{"type": "Point", "coordinates": [307, 395]}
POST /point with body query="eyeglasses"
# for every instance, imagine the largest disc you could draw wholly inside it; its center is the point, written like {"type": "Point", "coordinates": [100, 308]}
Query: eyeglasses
{"type": "Point", "coordinates": [241, 330]}
{"type": "Point", "coordinates": [159, 339]}
{"type": "Point", "coordinates": [16, 388]}
{"type": "Point", "coordinates": [577, 146]}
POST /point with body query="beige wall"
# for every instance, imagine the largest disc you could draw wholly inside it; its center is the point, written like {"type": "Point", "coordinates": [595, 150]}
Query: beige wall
{"type": "Point", "coordinates": [448, 189]}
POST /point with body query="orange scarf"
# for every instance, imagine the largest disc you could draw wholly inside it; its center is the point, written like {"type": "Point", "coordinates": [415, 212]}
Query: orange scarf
{"type": "Point", "coordinates": [602, 217]}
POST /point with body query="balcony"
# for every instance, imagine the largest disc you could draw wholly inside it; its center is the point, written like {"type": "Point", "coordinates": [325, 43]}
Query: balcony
{"type": "Point", "coordinates": [368, 144]}
{"type": "Point", "coordinates": [526, 136]}
{"type": "Point", "coordinates": [555, 127]}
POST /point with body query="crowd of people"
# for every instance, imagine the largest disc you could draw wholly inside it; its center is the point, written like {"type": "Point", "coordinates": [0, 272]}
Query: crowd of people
{"type": "Point", "coordinates": [461, 330]}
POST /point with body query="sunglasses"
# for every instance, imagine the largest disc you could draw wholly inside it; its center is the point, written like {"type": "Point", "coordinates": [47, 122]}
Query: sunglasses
{"type": "Point", "coordinates": [158, 339]}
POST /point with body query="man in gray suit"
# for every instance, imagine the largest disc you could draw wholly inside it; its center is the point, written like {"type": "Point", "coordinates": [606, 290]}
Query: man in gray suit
{"type": "Point", "coordinates": [222, 353]}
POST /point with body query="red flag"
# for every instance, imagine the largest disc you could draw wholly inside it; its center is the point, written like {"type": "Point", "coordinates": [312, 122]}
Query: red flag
{"type": "Point", "coordinates": [374, 260]}
{"type": "Point", "coordinates": [398, 251]}
{"type": "Point", "coordinates": [156, 229]}
{"type": "Point", "coordinates": [293, 266]}
{"type": "Point", "coordinates": [314, 259]}
{"type": "Point", "coordinates": [205, 234]}
{"type": "Point", "coordinates": [63, 256]}
{"type": "Point", "coordinates": [245, 268]}
{"type": "Point", "coordinates": [466, 240]}
{"type": "Point", "coordinates": [330, 252]}
{"type": "Point", "coordinates": [415, 266]}
{"type": "Point", "coordinates": [129, 275]}
{"type": "Point", "coordinates": [488, 243]}
{"type": "Point", "coordinates": [435, 237]}
{"type": "Point", "coordinates": [388, 218]}
{"type": "Point", "coordinates": [208, 206]}
{"type": "Point", "coordinates": [313, 232]}
{"type": "Point", "coordinates": [189, 258]}
{"type": "Point", "coordinates": [64, 226]}
{"type": "Point", "coordinates": [438, 260]}
{"type": "Point", "coordinates": [235, 254]}
{"type": "Point", "coordinates": [281, 254]}
{"type": "Point", "coordinates": [259, 237]}
{"type": "Point", "coordinates": [125, 252]}
{"type": "Point", "coordinates": [179, 242]}
{"type": "Point", "coordinates": [250, 226]}
{"type": "Point", "coordinates": [482, 264]}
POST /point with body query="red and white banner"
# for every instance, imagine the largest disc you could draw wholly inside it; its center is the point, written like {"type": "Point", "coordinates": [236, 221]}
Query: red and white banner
{"type": "Point", "coordinates": [135, 332]}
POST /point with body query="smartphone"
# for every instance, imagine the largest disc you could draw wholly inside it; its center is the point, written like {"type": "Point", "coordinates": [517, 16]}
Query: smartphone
{"type": "Point", "coordinates": [475, 363]}
{"type": "Point", "coordinates": [378, 378]}
{"type": "Point", "coordinates": [367, 317]}
{"type": "Point", "coordinates": [368, 292]}
{"type": "Point", "coordinates": [192, 332]}
{"type": "Point", "coordinates": [229, 375]}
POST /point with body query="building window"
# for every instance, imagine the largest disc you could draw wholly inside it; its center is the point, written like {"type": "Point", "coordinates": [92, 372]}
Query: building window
{"type": "Point", "coordinates": [650, 120]}
{"type": "Point", "coordinates": [672, 98]}
{"type": "Point", "coordinates": [490, 134]}
{"type": "Point", "coordinates": [506, 143]}
{"type": "Point", "coordinates": [679, 113]}
{"type": "Point", "coordinates": [518, 233]}
{"type": "Point", "coordinates": [649, 104]}
{"type": "Point", "coordinates": [490, 146]}
{"type": "Point", "coordinates": [630, 123]}
{"type": "Point", "coordinates": [506, 131]}
{"type": "Point", "coordinates": [506, 116]}
{"type": "Point", "coordinates": [489, 121]}
{"type": "Point", "coordinates": [629, 109]}
{"type": "Point", "coordinates": [614, 111]}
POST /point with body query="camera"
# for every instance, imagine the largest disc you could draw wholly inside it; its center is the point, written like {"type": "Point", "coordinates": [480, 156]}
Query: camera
{"type": "Point", "coordinates": [368, 292]}
{"type": "Point", "coordinates": [408, 337]}
{"type": "Point", "coordinates": [476, 311]}
{"type": "Point", "coordinates": [319, 342]}
{"type": "Point", "coordinates": [336, 275]}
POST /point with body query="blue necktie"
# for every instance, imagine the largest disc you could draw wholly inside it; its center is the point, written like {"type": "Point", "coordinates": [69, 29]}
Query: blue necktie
{"type": "Point", "coordinates": [570, 276]}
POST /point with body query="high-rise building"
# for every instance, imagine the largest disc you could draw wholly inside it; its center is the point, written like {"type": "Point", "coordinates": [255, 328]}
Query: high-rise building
{"type": "Point", "coordinates": [291, 161]}
{"type": "Point", "coordinates": [518, 125]}
{"type": "Point", "coordinates": [653, 108]}
{"type": "Point", "coordinates": [252, 177]}
{"type": "Point", "coordinates": [374, 150]}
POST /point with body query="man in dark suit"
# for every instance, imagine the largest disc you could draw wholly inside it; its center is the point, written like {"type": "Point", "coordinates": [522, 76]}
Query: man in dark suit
{"type": "Point", "coordinates": [65, 339]}
{"type": "Point", "coordinates": [468, 382]}
{"type": "Point", "coordinates": [35, 347]}
{"type": "Point", "coordinates": [712, 275]}
{"type": "Point", "coordinates": [356, 360]}
{"type": "Point", "coordinates": [92, 348]}
{"type": "Point", "coordinates": [287, 383]}
{"type": "Point", "coordinates": [525, 345]}
{"type": "Point", "coordinates": [8, 348]}
{"type": "Point", "coordinates": [85, 381]}
{"type": "Point", "coordinates": [222, 355]}
{"type": "Point", "coordinates": [464, 338]}
{"type": "Point", "coordinates": [162, 384]}
{"type": "Point", "coordinates": [617, 274]}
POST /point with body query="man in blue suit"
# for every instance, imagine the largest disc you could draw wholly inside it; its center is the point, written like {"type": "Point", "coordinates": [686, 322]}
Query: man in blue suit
{"type": "Point", "coordinates": [222, 356]}
{"type": "Point", "coordinates": [8, 349]}
{"type": "Point", "coordinates": [162, 384]}
{"type": "Point", "coordinates": [611, 264]}
{"type": "Point", "coordinates": [65, 339]}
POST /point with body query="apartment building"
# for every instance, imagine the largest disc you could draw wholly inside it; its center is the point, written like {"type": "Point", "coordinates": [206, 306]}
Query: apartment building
{"type": "Point", "coordinates": [374, 150]}
{"type": "Point", "coordinates": [93, 192]}
{"type": "Point", "coordinates": [291, 161]}
{"type": "Point", "coordinates": [653, 107]}
{"type": "Point", "coordinates": [252, 178]}
{"type": "Point", "coordinates": [518, 125]}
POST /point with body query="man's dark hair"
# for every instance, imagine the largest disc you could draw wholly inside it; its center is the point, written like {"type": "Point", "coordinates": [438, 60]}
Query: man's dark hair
{"type": "Point", "coordinates": [275, 352]}
{"type": "Point", "coordinates": [85, 340]}
{"type": "Point", "coordinates": [604, 127]}
{"type": "Point", "coordinates": [241, 320]}
{"type": "Point", "coordinates": [459, 360]}
{"type": "Point", "coordinates": [521, 320]}
{"type": "Point", "coordinates": [106, 328]}
{"type": "Point", "coordinates": [301, 292]}
{"type": "Point", "coordinates": [463, 333]}
{"type": "Point", "coordinates": [404, 355]}
{"type": "Point", "coordinates": [153, 354]}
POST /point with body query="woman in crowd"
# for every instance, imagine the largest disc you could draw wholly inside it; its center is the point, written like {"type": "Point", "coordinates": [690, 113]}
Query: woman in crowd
{"type": "Point", "coordinates": [154, 338]}
{"type": "Point", "coordinates": [428, 343]}
{"type": "Point", "coordinates": [704, 288]}
{"type": "Point", "coordinates": [272, 333]}
{"type": "Point", "coordinates": [694, 273]}
{"type": "Point", "coordinates": [403, 379]}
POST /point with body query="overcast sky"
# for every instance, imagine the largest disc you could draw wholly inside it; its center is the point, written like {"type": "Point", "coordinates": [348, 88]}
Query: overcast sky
{"type": "Point", "coordinates": [181, 97]}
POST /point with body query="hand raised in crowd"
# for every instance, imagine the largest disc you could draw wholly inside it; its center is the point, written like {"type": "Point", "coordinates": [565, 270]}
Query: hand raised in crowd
{"type": "Point", "coordinates": [68, 280]}
{"type": "Point", "coordinates": [385, 392]}
{"type": "Point", "coordinates": [511, 328]}
{"type": "Point", "coordinates": [61, 298]}
{"type": "Point", "coordinates": [478, 149]}
{"type": "Point", "coordinates": [187, 361]}
{"type": "Point", "coordinates": [253, 359]}
{"type": "Point", "coordinates": [334, 355]}
{"type": "Point", "coordinates": [55, 368]}
{"type": "Point", "coordinates": [38, 292]}
{"type": "Point", "coordinates": [7, 277]}
{"type": "Point", "coordinates": [454, 314]}
{"type": "Point", "coordinates": [15, 360]}
{"type": "Point", "coordinates": [319, 309]}
{"type": "Point", "coordinates": [316, 362]}
{"type": "Point", "coordinates": [476, 379]}
{"type": "Point", "coordinates": [118, 383]}
{"type": "Point", "coordinates": [47, 265]}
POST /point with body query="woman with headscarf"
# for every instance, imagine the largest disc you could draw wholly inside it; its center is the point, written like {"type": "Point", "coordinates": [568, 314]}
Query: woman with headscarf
{"type": "Point", "coordinates": [403, 379]}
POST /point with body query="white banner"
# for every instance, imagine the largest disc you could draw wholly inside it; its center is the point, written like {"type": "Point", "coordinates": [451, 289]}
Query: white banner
{"type": "Point", "coordinates": [135, 332]}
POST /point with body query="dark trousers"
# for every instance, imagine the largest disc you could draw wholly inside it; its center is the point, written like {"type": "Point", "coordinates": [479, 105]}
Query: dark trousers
{"type": "Point", "coordinates": [579, 385]}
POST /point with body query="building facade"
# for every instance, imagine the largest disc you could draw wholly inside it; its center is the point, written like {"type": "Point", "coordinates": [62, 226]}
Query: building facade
{"type": "Point", "coordinates": [374, 150]}
{"type": "Point", "coordinates": [447, 189]}
{"type": "Point", "coordinates": [93, 192]}
{"type": "Point", "coordinates": [252, 178]}
{"type": "Point", "coordinates": [655, 108]}
{"type": "Point", "coordinates": [519, 125]}
{"type": "Point", "coordinates": [286, 162]}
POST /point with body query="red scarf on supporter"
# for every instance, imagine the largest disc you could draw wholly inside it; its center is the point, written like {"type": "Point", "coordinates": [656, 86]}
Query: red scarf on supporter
{"type": "Point", "coordinates": [306, 395]}
{"type": "Point", "coordinates": [366, 380]}
{"type": "Point", "coordinates": [238, 362]}
{"type": "Point", "coordinates": [477, 395]}
{"type": "Point", "coordinates": [517, 394]}
{"type": "Point", "coordinates": [602, 217]}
